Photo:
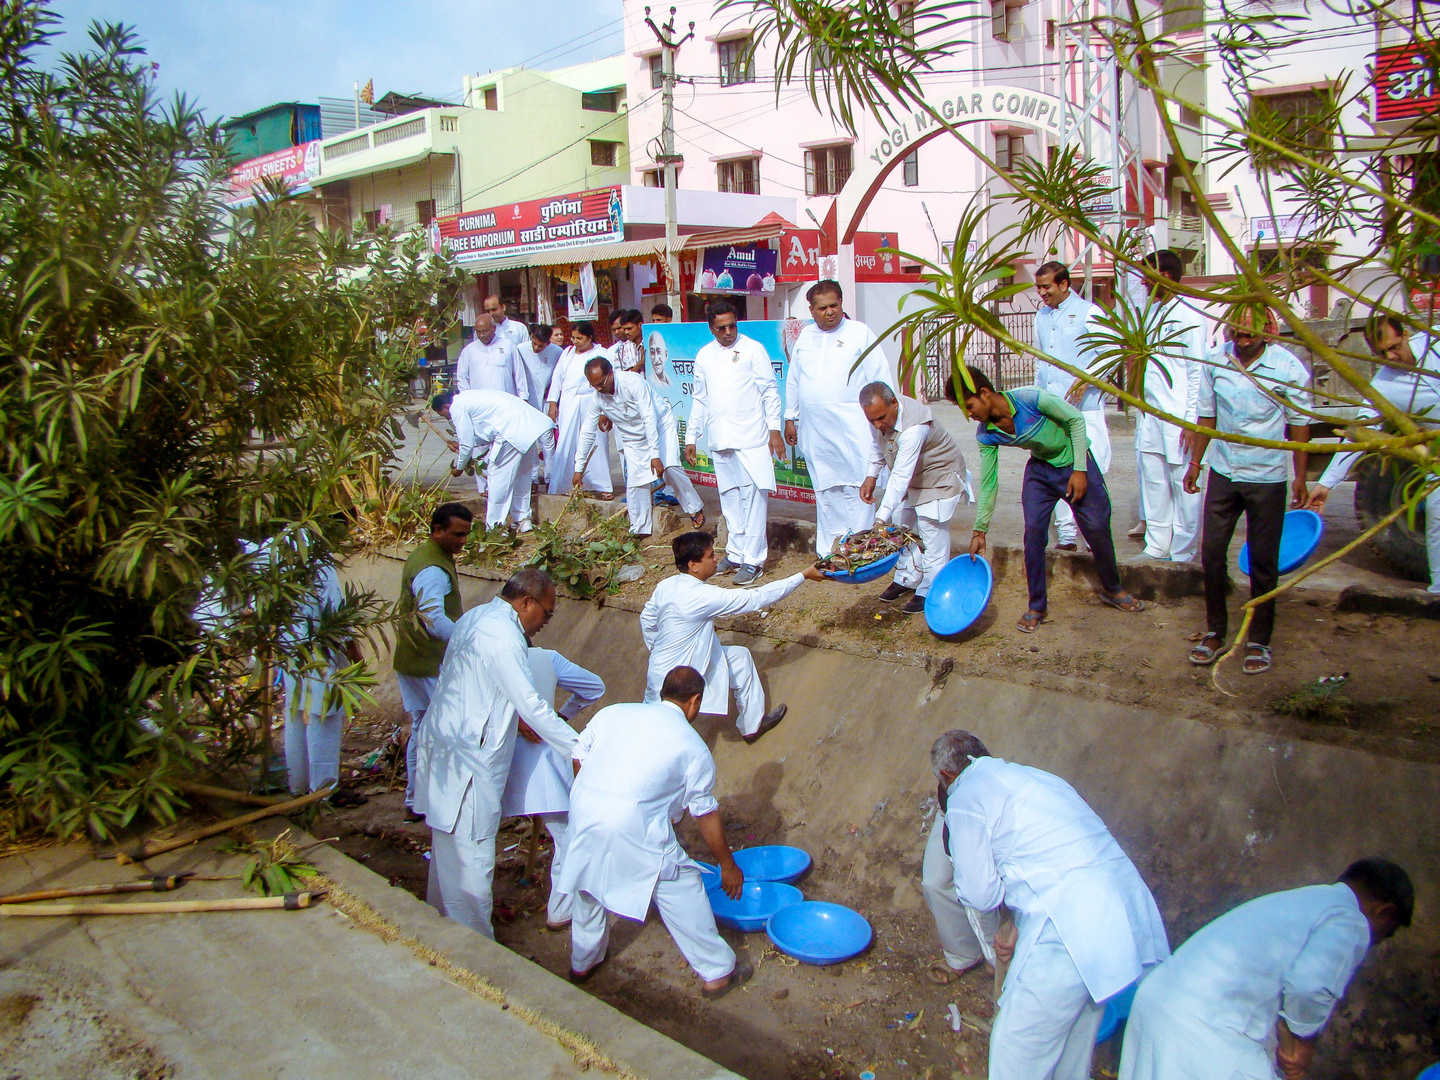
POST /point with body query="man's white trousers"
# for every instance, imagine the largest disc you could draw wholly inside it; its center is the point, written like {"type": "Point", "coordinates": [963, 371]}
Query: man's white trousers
{"type": "Point", "coordinates": [917, 569]}
{"type": "Point", "coordinates": [312, 736]}
{"type": "Point", "coordinates": [745, 685]}
{"type": "Point", "coordinates": [1432, 538]}
{"type": "Point", "coordinates": [1098, 433]}
{"type": "Point", "coordinates": [1172, 517]}
{"type": "Point", "coordinates": [967, 936]}
{"type": "Point", "coordinates": [510, 474]}
{"type": "Point", "coordinates": [838, 510]}
{"type": "Point", "coordinates": [640, 503]}
{"type": "Point", "coordinates": [686, 914]}
{"type": "Point", "coordinates": [561, 905]}
{"type": "Point", "coordinates": [1046, 1022]}
{"type": "Point", "coordinates": [462, 866]}
{"type": "Point", "coordinates": [415, 694]}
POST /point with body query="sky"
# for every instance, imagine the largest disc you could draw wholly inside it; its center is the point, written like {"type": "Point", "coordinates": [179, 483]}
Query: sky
{"type": "Point", "coordinates": [235, 56]}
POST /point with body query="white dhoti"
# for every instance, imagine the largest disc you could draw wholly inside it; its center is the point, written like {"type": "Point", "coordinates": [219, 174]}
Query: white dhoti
{"type": "Point", "coordinates": [839, 510]}
{"type": "Point", "coordinates": [683, 909]}
{"type": "Point", "coordinates": [966, 936]}
{"type": "Point", "coordinates": [1046, 1022]}
{"type": "Point", "coordinates": [745, 479]}
{"type": "Point", "coordinates": [510, 474]}
{"type": "Point", "coordinates": [312, 736]}
{"type": "Point", "coordinates": [415, 693]}
{"type": "Point", "coordinates": [462, 864]}
{"type": "Point", "coordinates": [1172, 516]}
{"type": "Point", "coordinates": [931, 522]}
{"type": "Point", "coordinates": [1098, 432]}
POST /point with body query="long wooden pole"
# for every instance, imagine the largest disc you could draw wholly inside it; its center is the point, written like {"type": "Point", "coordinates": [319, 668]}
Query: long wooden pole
{"type": "Point", "coordinates": [288, 902]}
{"type": "Point", "coordinates": [209, 791]}
{"type": "Point", "coordinates": [148, 849]}
{"type": "Point", "coordinates": [155, 884]}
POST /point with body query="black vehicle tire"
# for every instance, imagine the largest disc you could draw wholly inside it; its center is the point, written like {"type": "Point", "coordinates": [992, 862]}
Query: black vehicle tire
{"type": "Point", "coordinates": [1378, 488]}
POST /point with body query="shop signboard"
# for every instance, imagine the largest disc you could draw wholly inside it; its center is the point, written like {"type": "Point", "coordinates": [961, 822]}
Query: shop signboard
{"type": "Point", "coordinates": [1406, 81]}
{"type": "Point", "coordinates": [670, 351]}
{"type": "Point", "coordinates": [575, 220]}
{"type": "Point", "coordinates": [296, 167]}
{"type": "Point", "coordinates": [877, 257]}
{"type": "Point", "coordinates": [799, 255]}
{"type": "Point", "coordinates": [1281, 227]}
{"type": "Point", "coordinates": [737, 268]}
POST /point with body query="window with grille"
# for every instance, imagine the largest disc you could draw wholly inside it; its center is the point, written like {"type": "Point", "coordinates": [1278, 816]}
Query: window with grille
{"type": "Point", "coordinates": [1005, 20]}
{"type": "Point", "coordinates": [604, 153]}
{"type": "Point", "coordinates": [600, 101]}
{"type": "Point", "coordinates": [425, 211]}
{"type": "Point", "coordinates": [826, 169]}
{"type": "Point", "coordinates": [657, 71]}
{"type": "Point", "coordinates": [911, 166]}
{"type": "Point", "coordinates": [905, 15]}
{"type": "Point", "coordinates": [371, 219]}
{"type": "Point", "coordinates": [492, 99]}
{"type": "Point", "coordinates": [1009, 150]}
{"type": "Point", "coordinates": [741, 176]}
{"type": "Point", "coordinates": [737, 61]}
{"type": "Point", "coordinates": [1300, 119]}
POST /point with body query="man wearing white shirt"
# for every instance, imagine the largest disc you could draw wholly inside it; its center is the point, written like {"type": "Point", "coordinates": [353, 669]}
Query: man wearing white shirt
{"type": "Point", "coordinates": [1252, 387]}
{"type": "Point", "coordinates": [1061, 323]}
{"type": "Point", "coordinates": [512, 330]}
{"type": "Point", "coordinates": [504, 432]}
{"type": "Point", "coordinates": [736, 410]}
{"type": "Point", "coordinates": [491, 362]}
{"type": "Point", "coordinates": [1409, 377]}
{"type": "Point", "coordinates": [1085, 925]}
{"type": "Point", "coordinates": [628, 353]}
{"type": "Point", "coordinates": [649, 445]}
{"type": "Point", "coordinates": [927, 481]}
{"type": "Point", "coordinates": [427, 610]}
{"type": "Point", "coordinates": [484, 696]}
{"type": "Point", "coordinates": [678, 625]}
{"type": "Point", "coordinates": [822, 412]}
{"type": "Point", "coordinates": [538, 786]}
{"type": "Point", "coordinates": [1249, 994]}
{"type": "Point", "coordinates": [638, 769]}
{"type": "Point", "coordinates": [1172, 385]}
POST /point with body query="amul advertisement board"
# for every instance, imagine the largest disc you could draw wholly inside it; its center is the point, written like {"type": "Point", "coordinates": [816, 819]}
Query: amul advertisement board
{"type": "Point", "coordinates": [574, 220]}
{"type": "Point", "coordinates": [670, 351]}
{"type": "Point", "coordinates": [1406, 81]}
{"type": "Point", "coordinates": [295, 166]}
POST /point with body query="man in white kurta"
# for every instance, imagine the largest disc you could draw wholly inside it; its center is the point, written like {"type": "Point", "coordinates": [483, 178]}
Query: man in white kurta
{"type": "Point", "coordinates": [492, 362]}
{"type": "Point", "coordinates": [1246, 997]}
{"type": "Point", "coordinates": [678, 625]}
{"type": "Point", "coordinates": [538, 786]}
{"type": "Point", "coordinates": [651, 448]}
{"type": "Point", "coordinates": [506, 433]}
{"type": "Point", "coordinates": [567, 401]}
{"type": "Point", "coordinates": [484, 691]}
{"type": "Point", "coordinates": [822, 413]}
{"type": "Point", "coordinates": [512, 330]}
{"type": "Point", "coordinates": [927, 482]}
{"type": "Point", "coordinates": [639, 768]}
{"type": "Point", "coordinates": [1086, 926]}
{"type": "Point", "coordinates": [1061, 323]}
{"type": "Point", "coordinates": [736, 411]}
{"type": "Point", "coordinates": [1162, 450]}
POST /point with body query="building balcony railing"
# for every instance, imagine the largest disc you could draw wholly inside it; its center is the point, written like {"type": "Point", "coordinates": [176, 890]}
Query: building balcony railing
{"type": "Point", "coordinates": [392, 143]}
{"type": "Point", "coordinates": [1183, 222]}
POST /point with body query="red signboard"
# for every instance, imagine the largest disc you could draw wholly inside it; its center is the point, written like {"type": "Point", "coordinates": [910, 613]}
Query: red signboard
{"type": "Point", "coordinates": [581, 218]}
{"type": "Point", "coordinates": [876, 257]}
{"type": "Point", "coordinates": [1405, 81]}
{"type": "Point", "coordinates": [296, 166]}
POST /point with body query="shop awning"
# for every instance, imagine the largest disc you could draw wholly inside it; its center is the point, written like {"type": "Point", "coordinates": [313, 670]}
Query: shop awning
{"type": "Point", "coordinates": [767, 228]}
{"type": "Point", "coordinates": [600, 254]}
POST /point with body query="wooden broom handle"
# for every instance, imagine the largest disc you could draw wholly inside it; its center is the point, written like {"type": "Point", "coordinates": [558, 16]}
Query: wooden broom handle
{"type": "Point", "coordinates": [149, 850]}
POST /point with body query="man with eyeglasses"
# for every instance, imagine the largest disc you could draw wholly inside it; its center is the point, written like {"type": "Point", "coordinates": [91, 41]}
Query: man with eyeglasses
{"type": "Point", "coordinates": [485, 695]}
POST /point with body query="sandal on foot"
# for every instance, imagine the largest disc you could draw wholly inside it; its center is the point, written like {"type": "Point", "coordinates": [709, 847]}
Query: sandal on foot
{"type": "Point", "coordinates": [941, 973]}
{"type": "Point", "coordinates": [1205, 649]}
{"type": "Point", "coordinates": [1030, 621]}
{"type": "Point", "coordinates": [580, 977]}
{"type": "Point", "coordinates": [698, 519]}
{"type": "Point", "coordinates": [1257, 659]}
{"type": "Point", "coordinates": [739, 977]}
{"type": "Point", "coordinates": [1122, 601]}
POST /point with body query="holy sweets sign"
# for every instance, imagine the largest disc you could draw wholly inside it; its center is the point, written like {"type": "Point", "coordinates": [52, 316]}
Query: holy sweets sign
{"type": "Point", "coordinates": [737, 268]}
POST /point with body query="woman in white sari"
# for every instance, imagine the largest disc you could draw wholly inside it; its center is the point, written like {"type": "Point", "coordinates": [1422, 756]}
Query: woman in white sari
{"type": "Point", "coordinates": [567, 396]}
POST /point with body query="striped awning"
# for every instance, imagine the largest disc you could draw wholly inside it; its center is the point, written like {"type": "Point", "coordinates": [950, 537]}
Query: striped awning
{"type": "Point", "coordinates": [600, 254]}
{"type": "Point", "coordinates": [767, 228]}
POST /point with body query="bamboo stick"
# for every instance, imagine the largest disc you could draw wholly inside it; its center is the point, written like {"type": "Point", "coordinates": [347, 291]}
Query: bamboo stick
{"type": "Point", "coordinates": [288, 902]}
{"type": "Point", "coordinates": [154, 884]}
{"type": "Point", "coordinates": [208, 791]}
{"type": "Point", "coordinates": [148, 849]}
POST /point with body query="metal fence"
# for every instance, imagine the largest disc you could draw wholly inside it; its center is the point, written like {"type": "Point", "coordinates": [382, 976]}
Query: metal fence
{"type": "Point", "coordinates": [985, 353]}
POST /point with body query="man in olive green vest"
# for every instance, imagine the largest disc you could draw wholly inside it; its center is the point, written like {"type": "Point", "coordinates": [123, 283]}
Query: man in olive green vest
{"type": "Point", "coordinates": [429, 605]}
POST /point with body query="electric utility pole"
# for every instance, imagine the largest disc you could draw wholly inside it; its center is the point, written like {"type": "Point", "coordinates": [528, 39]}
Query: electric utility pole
{"type": "Point", "coordinates": [668, 159]}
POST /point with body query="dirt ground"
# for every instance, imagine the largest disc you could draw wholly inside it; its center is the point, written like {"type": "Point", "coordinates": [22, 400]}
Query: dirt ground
{"type": "Point", "coordinates": [879, 1013]}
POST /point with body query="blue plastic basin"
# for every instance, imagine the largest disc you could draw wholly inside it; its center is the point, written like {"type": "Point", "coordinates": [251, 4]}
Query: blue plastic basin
{"type": "Point", "coordinates": [1299, 538]}
{"type": "Point", "coordinates": [772, 862]}
{"type": "Point", "coordinates": [1117, 1011]}
{"type": "Point", "coordinates": [818, 932]}
{"type": "Point", "coordinates": [958, 595]}
{"type": "Point", "coordinates": [878, 568]}
{"type": "Point", "coordinates": [758, 901]}
{"type": "Point", "coordinates": [709, 874]}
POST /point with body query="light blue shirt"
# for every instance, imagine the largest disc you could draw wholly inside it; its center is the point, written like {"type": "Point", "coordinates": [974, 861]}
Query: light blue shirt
{"type": "Point", "coordinates": [1259, 401]}
{"type": "Point", "coordinates": [1059, 332]}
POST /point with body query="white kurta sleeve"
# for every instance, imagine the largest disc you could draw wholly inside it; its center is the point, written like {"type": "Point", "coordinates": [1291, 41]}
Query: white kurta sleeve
{"type": "Point", "coordinates": [792, 384]}
{"type": "Point", "coordinates": [1338, 468]}
{"type": "Point", "coordinates": [907, 456]}
{"type": "Point", "coordinates": [462, 369]}
{"type": "Point", "coordinates": [588, 427]}
{"type": "Point", "coordinates": [713, 602]}
{"type": "Point", "coordinates": [646, 401]}
{"type": "Point", "coordinates": [585, 741]}
{"type": "Point", "coordinates": [977, 879]}
{"type": "Point", "coordinates": [764, 376]}
{"type": "Point", "coordinates": [650, 623]}
{"type": "Point", "coordinates": [699, 408]}
{"type": "Point", "coordinates": [585, 687]}
{"type": "Point", "coordinates": [700, 784]}
{"type": "Point", "coordinates": [467, 437]}
{"type": "Point", "coordinates": [518, 375]}
{"type": "Point", "coordinates": [1319, 975]}
{"type": "Point", "coordinates": [510, 667]}
{"type": "Point", "coordinates": [430, 587]}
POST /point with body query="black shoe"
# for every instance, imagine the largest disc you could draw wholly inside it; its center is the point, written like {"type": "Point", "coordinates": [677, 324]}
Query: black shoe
{"type": "Point", "coordinates": [772, 720]}
{"type": "Point", "coordinates": [914, 606]}
{"type": "Point", "coordinates": [893, 592]}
